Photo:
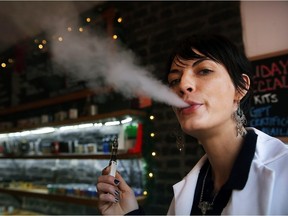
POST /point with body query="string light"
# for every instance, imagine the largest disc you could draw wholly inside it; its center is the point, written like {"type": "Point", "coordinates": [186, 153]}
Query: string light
{"type": "Point", "coordinates": [44, 41]}
{"type": "Point", "coordinates": [153, 154]}
{"type": "Point", "coordinates": [3, 65]}
{"type": "Point", "coordinates": [151, 117]}
{"type": "Point", "coordinates": [10, 60]}
{"type": "Point", "coordinates": [60, 39]}
{"type": "Point", "coordinates": [69, 29]}
{"type": "Point", "coordinates": [81, 29]}
{"type": "Point", "coordinates": [88, 19]}
{"type": "Point", "coordinates": [119, 20]}
{"type": "Point", "coordinates": [152, 134]}
{"type": "Point", "coordinates": [150, 175]}
{"type": "Point", "coordinates": [40, 46]}
{"type": "Point", "coordinates": [145, 193]}
{"type": "Point", "coordinates": [115, 36]}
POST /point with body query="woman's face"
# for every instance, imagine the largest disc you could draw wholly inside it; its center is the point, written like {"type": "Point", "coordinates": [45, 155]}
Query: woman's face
{"type": "Point", "coordinates": [207, 87]}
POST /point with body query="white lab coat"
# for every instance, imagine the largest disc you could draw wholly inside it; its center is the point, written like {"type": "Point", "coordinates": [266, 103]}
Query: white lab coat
{"type": "Point", "coordinates": [266, 190]}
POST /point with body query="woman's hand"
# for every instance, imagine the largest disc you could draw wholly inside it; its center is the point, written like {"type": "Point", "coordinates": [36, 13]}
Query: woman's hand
{"type": "Point", "coordinates": [115, 196]}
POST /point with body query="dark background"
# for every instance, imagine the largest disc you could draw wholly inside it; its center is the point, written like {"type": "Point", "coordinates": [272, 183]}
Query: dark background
{"type": "Point", "coordinates": [150, 29]}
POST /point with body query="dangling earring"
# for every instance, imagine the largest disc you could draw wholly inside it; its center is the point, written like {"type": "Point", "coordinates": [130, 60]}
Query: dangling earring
{"type": "Point", "coordinates": [179, 139]}
{"type": "Point", "coordinates": [240, 119]}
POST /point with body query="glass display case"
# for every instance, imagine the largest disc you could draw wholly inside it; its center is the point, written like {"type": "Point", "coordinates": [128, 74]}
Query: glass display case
{"type": "Point", "coordinates": [60, 161]}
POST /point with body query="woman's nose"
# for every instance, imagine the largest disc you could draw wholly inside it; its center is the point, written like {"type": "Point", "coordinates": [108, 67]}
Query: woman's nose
{"type": "Point", "coordinates": [186, 85]}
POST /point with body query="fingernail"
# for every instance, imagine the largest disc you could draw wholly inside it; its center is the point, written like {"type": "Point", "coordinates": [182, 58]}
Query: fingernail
{"type": "Point", "coordinates": [116, 200]}
{"type": "Point", "coordinates": [116, 192]}
{"type": "Point", "coordinates": [116, 182]}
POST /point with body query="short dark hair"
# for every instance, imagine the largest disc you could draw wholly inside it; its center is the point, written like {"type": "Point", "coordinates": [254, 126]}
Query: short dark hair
{"type": "Point", "coordinates": [221, 50]}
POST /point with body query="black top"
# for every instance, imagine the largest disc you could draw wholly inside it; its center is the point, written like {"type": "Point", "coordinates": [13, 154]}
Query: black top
{"type": "Point", "coordinates": [236, 181]}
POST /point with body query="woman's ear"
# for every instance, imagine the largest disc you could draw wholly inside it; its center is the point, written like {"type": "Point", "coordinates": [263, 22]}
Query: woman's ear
{"type": "Point", "coordinates": [242, 93]}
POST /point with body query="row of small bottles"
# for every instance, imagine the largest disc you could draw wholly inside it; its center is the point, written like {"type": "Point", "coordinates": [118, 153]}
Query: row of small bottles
{"type": "Point", "coordinates": [24, 147]}
{"type": "Point", "coordinates": [53, 114]}
{"type": "Point", "coordinates": [89, 109]}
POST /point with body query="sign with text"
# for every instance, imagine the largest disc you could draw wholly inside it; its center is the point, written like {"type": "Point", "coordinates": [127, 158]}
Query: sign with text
{"type": "Point", "coordinates": [269, 111]}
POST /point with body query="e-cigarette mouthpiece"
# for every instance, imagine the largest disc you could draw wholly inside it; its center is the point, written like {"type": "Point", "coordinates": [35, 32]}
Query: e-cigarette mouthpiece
{"type": "Point", "coordinates": [113, 159]}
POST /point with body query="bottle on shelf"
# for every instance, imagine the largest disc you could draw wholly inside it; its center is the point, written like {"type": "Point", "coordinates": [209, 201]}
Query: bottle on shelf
{"type": "Point", "coordinates": [105, 144]}
{"type": "Point", "coordinates": [23, 147]}
{"type": "Point", "coordinates": [45, 116]}
{"type": "Point", "coordinates": [60, 114]}
{"type": "Point", "coordinates": [90, 108]}
{"type": "Point", "coordinates": [73, 112]}
{"type": "Point", "coordinates": [130, 136]}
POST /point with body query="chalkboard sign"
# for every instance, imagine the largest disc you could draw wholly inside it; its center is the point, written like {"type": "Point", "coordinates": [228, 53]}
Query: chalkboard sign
{"type": "Point", "coordinates": [269, 112]}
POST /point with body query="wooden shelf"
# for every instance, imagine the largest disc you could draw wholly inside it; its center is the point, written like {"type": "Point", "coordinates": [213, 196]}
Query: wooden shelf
{"type": "Point", "coordinates": [43, 194]}
{"type": "Point", "coordinates": [80, 120]}
{"type": "Point", "coordinates": [21, 212]}
{"type": "Point", "coordinates": [53, 101]}
{"type": "Point", "coordinates": [283, 139]}
{"type": "Point", "coordinates": [75, 156]}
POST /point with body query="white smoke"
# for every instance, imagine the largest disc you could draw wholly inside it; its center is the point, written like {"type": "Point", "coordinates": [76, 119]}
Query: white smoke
{"type": "Point", "coordinates": [85, 56]}
{"type": "Point", "coordinates": [91, 57]}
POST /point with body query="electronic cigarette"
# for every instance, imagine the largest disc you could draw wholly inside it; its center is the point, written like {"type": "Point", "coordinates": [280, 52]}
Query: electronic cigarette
{"type": "Point", "coordinates": [113, 159]}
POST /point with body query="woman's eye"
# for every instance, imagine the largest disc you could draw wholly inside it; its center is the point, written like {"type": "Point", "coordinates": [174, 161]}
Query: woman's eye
{"type": "Point", "coordinates": [204, 71]}
{"type": "Point", "coordinates": [173, 82]}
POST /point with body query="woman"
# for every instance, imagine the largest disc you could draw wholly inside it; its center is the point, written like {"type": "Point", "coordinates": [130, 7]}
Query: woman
{"type": "Point", "coordinates": [244, 170]}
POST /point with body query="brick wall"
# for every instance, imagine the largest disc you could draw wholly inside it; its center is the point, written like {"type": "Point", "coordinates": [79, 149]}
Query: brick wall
{"type": "Point", "coordinates": [151, 29]}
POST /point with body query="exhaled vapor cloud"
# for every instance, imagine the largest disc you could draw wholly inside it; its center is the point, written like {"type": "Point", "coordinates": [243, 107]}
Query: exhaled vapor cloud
{"type": "Point", "coordinates": [89, 57]}
{"type": "Point", "coordinates": [92, 57]}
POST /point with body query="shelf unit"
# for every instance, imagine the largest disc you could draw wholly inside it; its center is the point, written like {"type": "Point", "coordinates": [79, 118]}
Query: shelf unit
{"type": "Point", "coordinates": [43, 194]}
{"type": "Point", "coordinates": [80, 120]}
{"type": "Point", "coordinates": [84, 93]}
{"type": "Point", "coordinates": [75, 156]}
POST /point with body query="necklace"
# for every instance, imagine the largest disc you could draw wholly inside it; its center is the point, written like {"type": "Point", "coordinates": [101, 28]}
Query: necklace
{"type": "Point", "coordinates": [205, 205]}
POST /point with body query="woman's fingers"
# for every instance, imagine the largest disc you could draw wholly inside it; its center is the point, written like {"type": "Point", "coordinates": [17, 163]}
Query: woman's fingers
{"type": "Point", "coordinates": [115, 196]}
{"type": "Point", "coordinates": [107, 197]}
{"type": "Point", "coordinates": [107, 188]}
{"type": "Point", "coordinates": [120, 182]}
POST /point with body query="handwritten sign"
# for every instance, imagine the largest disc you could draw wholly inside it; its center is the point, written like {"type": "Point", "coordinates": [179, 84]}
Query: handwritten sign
{"type": "Point", "coordinates": [269, 111]}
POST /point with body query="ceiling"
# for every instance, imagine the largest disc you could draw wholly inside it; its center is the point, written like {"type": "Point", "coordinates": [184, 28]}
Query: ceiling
{"type": "Point", "coordinates": [22, 19]}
